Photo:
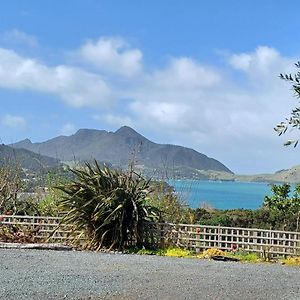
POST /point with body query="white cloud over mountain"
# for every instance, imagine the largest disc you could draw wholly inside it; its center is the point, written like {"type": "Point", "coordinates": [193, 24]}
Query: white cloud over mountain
{"type": "Point", "coordinates": [226, 111]}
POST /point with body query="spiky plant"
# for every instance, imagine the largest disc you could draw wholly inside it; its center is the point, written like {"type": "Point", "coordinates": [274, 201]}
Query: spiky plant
{"type": "Point", "coordinates": [110, 207]}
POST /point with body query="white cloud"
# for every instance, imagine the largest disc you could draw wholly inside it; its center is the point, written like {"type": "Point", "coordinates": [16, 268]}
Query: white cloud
{"type": "Point", "coordinates": [115, 120]}
{"type": "Point", "coordinates": [263, 61]}
{"type": "Point", "coordinates": [162, 114]}
{"type": "Point", "coordinates": [68, 129]}
{"type": "Point", "coordinates": [113, 55]}
{"type": "Point", "coordinates": [189, 96]}
{"type": "Point", "coordinates": [12, 121]}
{"type": "Point", "coordinates": [17, 37]}
{"type": "Point", "coordinates": [74, 86]}
{"type": "Point", "coordinates": [185, 73]}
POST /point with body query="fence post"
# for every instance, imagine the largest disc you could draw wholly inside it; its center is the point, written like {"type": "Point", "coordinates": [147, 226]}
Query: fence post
{"type": "Point", "coordinates": [161, 235]}
{"type": "Point", "coordinates": [219, 237]}
{"type": "Point", "coordinates": [198, 236]}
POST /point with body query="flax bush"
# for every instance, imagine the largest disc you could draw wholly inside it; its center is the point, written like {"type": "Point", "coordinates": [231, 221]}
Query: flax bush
{"type": "Point", "coordinates": [109, 207]}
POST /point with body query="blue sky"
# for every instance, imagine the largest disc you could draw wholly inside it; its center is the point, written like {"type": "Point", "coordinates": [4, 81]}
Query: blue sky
{"type": "Point", "coordinates": [195, 73]}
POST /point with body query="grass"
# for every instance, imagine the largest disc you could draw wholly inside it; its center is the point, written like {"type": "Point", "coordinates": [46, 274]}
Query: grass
{"type": "Point", "coordinates": [172, 252]}
{"type": "Point", "coordinates": [246, 256]}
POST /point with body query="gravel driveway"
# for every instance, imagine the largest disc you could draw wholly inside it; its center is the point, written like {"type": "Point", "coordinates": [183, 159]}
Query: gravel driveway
{"type": "Point", "coordinates": [36, 274]}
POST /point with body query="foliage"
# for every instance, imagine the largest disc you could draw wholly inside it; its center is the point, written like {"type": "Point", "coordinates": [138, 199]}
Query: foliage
{"type": "Point", "coordinates": [24, 206]}
{"type": "Point", "coordinates": [263, 218]}
{"type": "Point", "coordinates": [282, 202]}
{"type": "Point", "coordinates": [16, 234]}
{"type": "Point", "coordinates": [10, 185]}
{"type": "Point", "coordinates": [172, 208]}
{"type": "Point", "coordinates": [110, 207]}
{"type": "Point", "coordinates": [48, 204]}
{"type": "Point", "coordinates": [142, 251]}
{"type": "Point", "coordinates": [294, 120]}
{"type": "Point", "coordinates": [245, 256]}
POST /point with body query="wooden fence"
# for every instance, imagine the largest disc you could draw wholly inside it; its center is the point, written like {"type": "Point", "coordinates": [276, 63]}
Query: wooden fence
{"type": "Point", "coordinates": [197, 237]}
{"type": "Point", "coordinates": [200, 237]}
{"type": "Point", "coordinates": [44, 228]}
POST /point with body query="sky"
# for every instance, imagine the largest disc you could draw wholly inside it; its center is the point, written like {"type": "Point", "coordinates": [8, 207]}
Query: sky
{"type": "Point", "coordinates": [201, 74]}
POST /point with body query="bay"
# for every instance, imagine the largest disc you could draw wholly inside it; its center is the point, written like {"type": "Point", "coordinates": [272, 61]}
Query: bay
{"type": "Point", "coordinates": [221, 194]}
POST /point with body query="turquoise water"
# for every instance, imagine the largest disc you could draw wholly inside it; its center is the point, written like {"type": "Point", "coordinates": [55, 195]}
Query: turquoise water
{"type": "Point", "coordinates": [222, 195]}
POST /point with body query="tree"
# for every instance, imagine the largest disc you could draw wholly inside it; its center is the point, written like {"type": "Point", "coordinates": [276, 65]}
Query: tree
{"type": "Point", "coordinates": [293, 121]}
{"type": "Point", "coordinates": [282, 202]}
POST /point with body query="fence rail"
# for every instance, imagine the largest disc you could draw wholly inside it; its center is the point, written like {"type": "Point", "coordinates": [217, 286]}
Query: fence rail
{"type": "Point", "coordinates": [197, 237]}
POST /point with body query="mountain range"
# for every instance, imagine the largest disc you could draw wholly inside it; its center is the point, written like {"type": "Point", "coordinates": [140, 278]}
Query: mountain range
{"type": "Point", "coordinates": [121, 147]}
{"type": "Point", "coordinates": [125, 146]}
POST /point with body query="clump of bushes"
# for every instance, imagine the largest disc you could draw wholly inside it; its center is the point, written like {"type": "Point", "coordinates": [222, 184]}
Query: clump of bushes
{"type": "Point", "coordinates": [16, 234]}
{"type": "Point", "coordinates": [171, 207]}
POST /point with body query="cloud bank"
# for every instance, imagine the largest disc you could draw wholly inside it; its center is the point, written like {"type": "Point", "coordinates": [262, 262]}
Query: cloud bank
{"type": "Point", "coordinates": [226, 111]}
{"type": "Point", "coordinates": [74, 86]}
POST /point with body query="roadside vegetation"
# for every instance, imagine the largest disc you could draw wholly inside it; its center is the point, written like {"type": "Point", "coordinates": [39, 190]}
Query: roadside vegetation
{"type": "Point", "coordinates": [112, 209]}
{"type": "Point", "coordinates": [280, 211]}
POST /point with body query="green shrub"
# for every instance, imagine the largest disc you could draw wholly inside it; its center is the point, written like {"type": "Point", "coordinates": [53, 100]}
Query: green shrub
{"type": "Point", "coordinates": [110, 207]}
{"type": "Point", "coordinates": [143, 251]}
{"type": "Point", "coordinates": [172, 208]}
{"type": "Point", "coordinates": [245, 256]}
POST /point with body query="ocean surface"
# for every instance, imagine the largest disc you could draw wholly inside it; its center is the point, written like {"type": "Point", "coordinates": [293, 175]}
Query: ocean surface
{"type": "Point", "coordinates": [221, 194]}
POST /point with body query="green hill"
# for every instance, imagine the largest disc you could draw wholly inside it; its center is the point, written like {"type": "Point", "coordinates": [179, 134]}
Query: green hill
{"type": "Point", "coordinates": [26, 159]}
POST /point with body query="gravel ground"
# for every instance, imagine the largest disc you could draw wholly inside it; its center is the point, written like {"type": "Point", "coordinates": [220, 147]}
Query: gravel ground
{"type": "Point", "coordinates": [41, 274]}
